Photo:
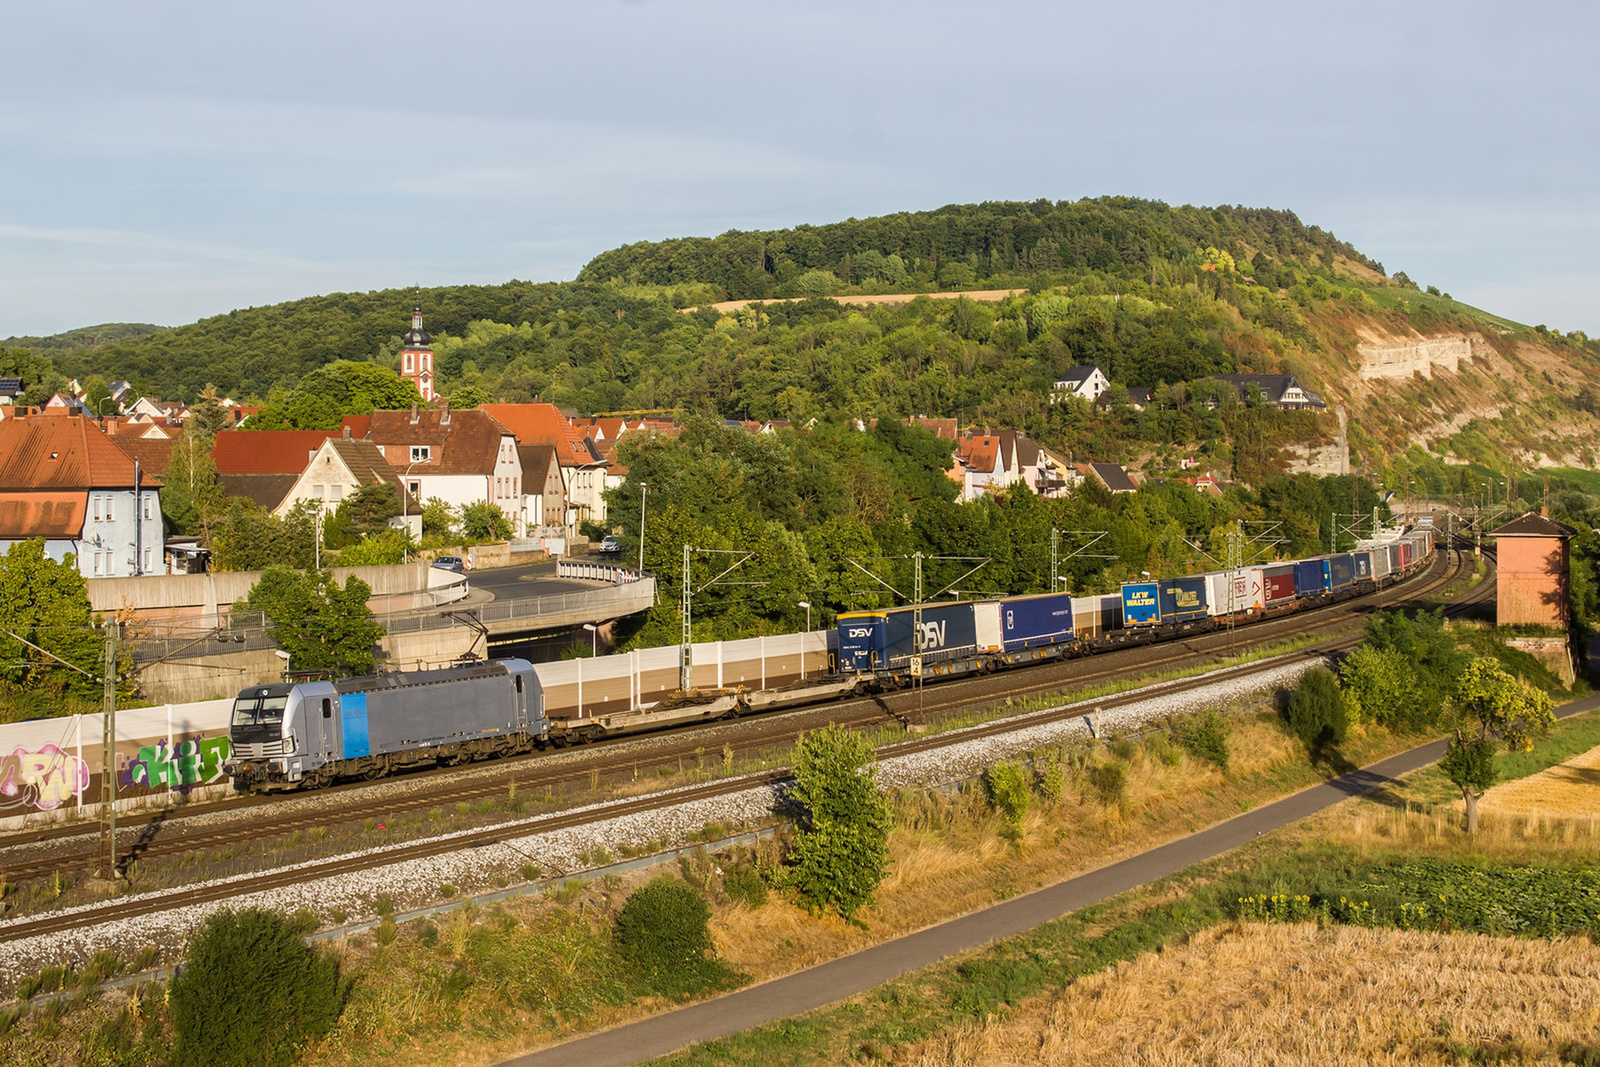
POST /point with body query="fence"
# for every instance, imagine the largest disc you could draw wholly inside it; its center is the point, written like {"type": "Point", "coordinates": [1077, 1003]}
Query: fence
{"type": "Point", "coordinates": [597, 572]}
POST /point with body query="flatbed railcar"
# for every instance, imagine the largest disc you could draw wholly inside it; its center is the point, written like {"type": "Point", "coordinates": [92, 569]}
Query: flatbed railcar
{"type": "Point", "coordinates": [292, 736]}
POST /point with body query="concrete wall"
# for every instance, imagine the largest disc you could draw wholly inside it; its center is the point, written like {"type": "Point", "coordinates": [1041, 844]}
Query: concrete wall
{"type": "Point", "coordinates": [216, 678]}
{"type": "Point", "coordinates": [180, 595]}
{"type": "Point", "coordinates": [430, 648]}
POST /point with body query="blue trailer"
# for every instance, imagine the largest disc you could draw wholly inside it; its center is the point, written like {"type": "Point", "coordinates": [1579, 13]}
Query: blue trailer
{"type": "Point", "coordinates": [1141, 603]}
{"type": "Point", "coordinates": [863, 637]}
{"type": "Point", "coordinates": [1032, 621]}
{"type": "Point", "coordinates": [1311, 577]}
{"type": "Point", "coordinates": [1183, 598]}
{"type": "Point", "coordinates": [1341, 570]}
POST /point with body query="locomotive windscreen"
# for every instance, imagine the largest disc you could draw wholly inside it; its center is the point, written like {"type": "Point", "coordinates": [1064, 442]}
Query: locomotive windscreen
{"type": "Point", "coordinates": [260, 710]}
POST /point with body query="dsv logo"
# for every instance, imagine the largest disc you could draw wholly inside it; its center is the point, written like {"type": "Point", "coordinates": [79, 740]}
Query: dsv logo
{"type": "Point", "coordinates": [859, 632]}
{"type": "Point", "coordinates": [932, 635]}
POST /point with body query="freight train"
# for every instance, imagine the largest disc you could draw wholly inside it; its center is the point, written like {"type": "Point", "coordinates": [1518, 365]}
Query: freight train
{"type": "Point", "coordinates": [307, 734]}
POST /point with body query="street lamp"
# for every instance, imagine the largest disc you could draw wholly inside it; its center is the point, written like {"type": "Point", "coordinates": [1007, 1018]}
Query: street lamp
{"type": "Point", "coordinates": [807, 605]}
{"type": "Point", "coordinates": [594, 636]}
{"type": "Point", "coordinates": [405, 522]}
{"type": "Point", "coordinates": [644, 489]}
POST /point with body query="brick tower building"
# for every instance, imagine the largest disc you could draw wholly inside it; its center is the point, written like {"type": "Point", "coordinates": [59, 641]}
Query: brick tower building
{"type": "Point", "coordinates": [1531, 572]}
{"type": "Point", "coordinates": [416, 356]}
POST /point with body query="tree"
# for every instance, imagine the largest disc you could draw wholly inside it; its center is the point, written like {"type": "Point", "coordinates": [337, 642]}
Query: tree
{"type": "Point", "coordinates": [207, 417]}
{"type": "Point", "coordinates": [325, 395]}
{"type": "Point", "coordinates": [191, 497]}
{"type": "Point", "coordinates": [484, 521]}
{"type": "Point", "coordinates": [251, 993]}
{"type": "Point", "coordinates": [469, 396]}
{"type": "Point", "coordinates": [1316, 711]}
{"type": "Point", "coordinates": [439, 519]}
{"type": "Point", "coordinates": [1380, 686]}
{"type": "Point", "coordinates": [322, 626]}
{"type": "Point", "coordinates": [1491, 708]}
{"type": "Point", "coordinates": [816, 283]}
{"type": "Point", "coordinates": [97, 396]}
{"type": "Point", "coordinates": [841, 844]}
{"type": "Point", "coordinates": [46, 604]}
{"type": "Point", "coordinates": [244, 537]}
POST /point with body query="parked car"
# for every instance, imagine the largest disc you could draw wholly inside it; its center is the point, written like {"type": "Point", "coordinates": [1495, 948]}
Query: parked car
{"type": "Point", "coordinates": [451, 563]}
{"type": "Point", "coordinates": [609, 547]}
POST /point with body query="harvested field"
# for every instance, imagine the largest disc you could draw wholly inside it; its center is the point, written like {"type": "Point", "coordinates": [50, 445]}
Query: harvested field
{"type": "Point", "coordinates": [1566, 790]}
{"type": "Point", "coordinates": [1300, 995]}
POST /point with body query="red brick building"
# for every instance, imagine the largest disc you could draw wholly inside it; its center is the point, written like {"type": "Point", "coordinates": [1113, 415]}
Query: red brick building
{"type": "Point", "coordinates": [1531, 572]}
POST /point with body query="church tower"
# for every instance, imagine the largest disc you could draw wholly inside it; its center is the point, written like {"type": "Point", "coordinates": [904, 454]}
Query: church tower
{"type": "Point", "coordinates": [416, 356]}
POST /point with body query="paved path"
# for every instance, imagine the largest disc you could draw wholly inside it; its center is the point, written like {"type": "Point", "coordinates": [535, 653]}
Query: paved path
{"type": "Point", "coordinates": [837, 979]}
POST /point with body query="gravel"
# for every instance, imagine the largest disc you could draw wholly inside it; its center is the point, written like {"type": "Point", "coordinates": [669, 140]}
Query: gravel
{"type": "Point", "coordinates": [416, 883]}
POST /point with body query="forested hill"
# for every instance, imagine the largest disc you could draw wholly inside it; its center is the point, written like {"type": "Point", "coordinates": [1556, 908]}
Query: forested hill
{"type": "Point", "coordinates": [1001, 242]}
{"type": "Point", "coordinates": [1159, 297]}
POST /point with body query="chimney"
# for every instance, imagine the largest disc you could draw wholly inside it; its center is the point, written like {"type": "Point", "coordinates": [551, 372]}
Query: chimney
{"type": "Point", "coordinates": [444, 416]}
{"type": "Point", "coordinates": [347, 431]}
{"type": "Point", "coordinates": [414, 418]}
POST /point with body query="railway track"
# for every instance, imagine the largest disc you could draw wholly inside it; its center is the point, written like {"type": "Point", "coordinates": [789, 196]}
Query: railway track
{"type": "Point", "coordinates": [491, 835]}
{"type": "Point", "coordinates": [72, 848]}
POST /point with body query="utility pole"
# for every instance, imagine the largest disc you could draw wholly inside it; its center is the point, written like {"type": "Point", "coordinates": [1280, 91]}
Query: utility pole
{"type": "Point", "coordinates": [108, 760]}
{"type": "Point", "coordinates": [916, 629]}
{"type": "Point", "coordinates": [644, 489]}
{"type": "Point", "coordinates": [686, 648]}
{"type": "Point", "coordinates": [1055, 547]}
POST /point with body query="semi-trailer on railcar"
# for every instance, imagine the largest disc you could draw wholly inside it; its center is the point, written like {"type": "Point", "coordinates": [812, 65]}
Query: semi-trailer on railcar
{"type": "Point", "coordinates": [288, 736]}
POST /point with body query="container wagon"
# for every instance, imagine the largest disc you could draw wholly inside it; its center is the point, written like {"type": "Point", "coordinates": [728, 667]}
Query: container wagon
{"type": "Point", "coordinates": [1341, 571]}
{"type": "Point", "coordinates": [1278, 583]}
{"type": "Point", "coordinates": [1311, 578]}
{"type": "Point", "coordinates": [1036, 621]}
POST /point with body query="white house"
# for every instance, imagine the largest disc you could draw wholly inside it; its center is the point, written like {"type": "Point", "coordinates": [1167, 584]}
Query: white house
{"type": "Point", "coordinates": [64, 481]}
{"type": "Point", "coordinates": [462, 457]}
{"type": "Point", "coordinates": [1089, 383]}
{"type": "Point", "coordinates": [338, 470]}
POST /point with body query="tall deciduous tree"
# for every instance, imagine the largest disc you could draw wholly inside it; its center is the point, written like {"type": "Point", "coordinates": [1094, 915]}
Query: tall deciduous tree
{"type": "Point", "coordinates": [46, 604]}
{"type": "Point", "coordinates": [322, 626]}
{"type": "Point", "coordinates": [1492, 709]}
{"type": "Point", "coordinates": [841, 846]}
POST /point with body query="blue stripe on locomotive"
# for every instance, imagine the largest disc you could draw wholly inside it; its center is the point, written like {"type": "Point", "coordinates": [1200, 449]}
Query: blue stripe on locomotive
{"type": "Point", "coordinates": [1310, 577]}
{"type": "Point", "coordinates": [1183, 598]}
{"type": "Point", "coordinates": [1029, 621]}
{"type": "Point", "coordinates": [353, 721]}
{"type": "Point", "coordinates": [1341, 570]}
{"type": "Point", "coordinates": [862, 638]}
{"type": "Point", "coordinates": [1141, 603]}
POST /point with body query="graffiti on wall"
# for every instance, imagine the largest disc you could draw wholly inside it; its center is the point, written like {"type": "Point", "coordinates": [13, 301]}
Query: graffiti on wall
{"type": "Point", "coordinates": [45, 779]}
{"type": "Point", "coordinates": [197, 761]}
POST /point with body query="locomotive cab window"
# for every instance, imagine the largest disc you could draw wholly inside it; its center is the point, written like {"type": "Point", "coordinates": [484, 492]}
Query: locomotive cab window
{"type": "Point", "coordinates": [327, 708]}
{"type": "Point", "coordinates": [259, 710]}
{"type": "Point", "coordinates": [519, 683]}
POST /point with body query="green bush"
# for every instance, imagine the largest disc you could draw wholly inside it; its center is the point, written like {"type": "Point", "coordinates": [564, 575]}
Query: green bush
{"type": "Point", "coordinates": [251, 993]}
{"type": "Point", "coordinates": [1205, 737]}
{"type": "Point", "coordinates": [664, 937]}
{"type": "Point", "coordinates": [1007, 786]}
{"type": "Point", "coordinates": [1109, 783]}
{"type": "Point", "coordinates": [1316, 710]}
{"type": "Point", "coordinates": [1051, 782]}
{"type": "Point", "coordinates": [744, 885]}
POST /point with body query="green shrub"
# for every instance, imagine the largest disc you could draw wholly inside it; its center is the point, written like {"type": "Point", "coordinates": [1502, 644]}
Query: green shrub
{"type": "Point", "coordinates": [664, 937]}
{"type": "Point", "coordinates": [744, 885]}
{"type": "Point", "coordinates": [1205, 737]}
{"type": "Point", "coordinates": [1109, 783]}
{"type": "Point", "coordinates": [1316, 710]}
{"type": "Point", "coordinates": [1050, 781]}
{"type": "Point", "coordinates": [1123, 748]}
{"type": "Point", "coordinates": [1161, 749]}
{"type": "Point", "coordinates": [251, 993]}
{"type": "Point", "coordinates": [1007, 786]}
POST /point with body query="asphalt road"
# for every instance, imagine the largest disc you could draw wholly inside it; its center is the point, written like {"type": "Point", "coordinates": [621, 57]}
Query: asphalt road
{"type": "Point", "coordinates": [838, 979]}
{"type": "Point", "coordinates": [507, 583]}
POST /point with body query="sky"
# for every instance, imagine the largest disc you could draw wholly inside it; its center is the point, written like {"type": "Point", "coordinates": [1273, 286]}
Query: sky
{"type": "Point", "coordinates": [161, 162]}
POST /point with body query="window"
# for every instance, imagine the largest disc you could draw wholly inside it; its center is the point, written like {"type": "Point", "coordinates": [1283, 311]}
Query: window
{"type": "Point", "coordinates": [149, 560]}
{"type": "Point", "coordinates": [316, 492]}
{"type": "Point", "coordinates": [327, 708]}
{"type": "Point", "coordinates": [97, 563]}
{"type": "Point", "coordinates": [335, 493]}
{"type": "Point", "coordinates": [147, 507]}
{"type": "Point", "coordinates": [421, 453]}
{"type": "Point", "coordinates": [96, 500]}
{"type": "Point", "coordinates": [109, 499]}
{"type": "Point", "coordinates": [410, 363]}
{"type": "Point", "coordinates": [414, 488]}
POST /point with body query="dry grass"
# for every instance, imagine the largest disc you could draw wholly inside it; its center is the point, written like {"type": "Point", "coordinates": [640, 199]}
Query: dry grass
{"type": "Point", "coordinates": [949, 856]}
{"type": "Point", "coordinates": [1570, 789]}
{"type": "Point", "coordinates": [1536, 837]}
{"type": "Point", "coordinates": [1290, 995]}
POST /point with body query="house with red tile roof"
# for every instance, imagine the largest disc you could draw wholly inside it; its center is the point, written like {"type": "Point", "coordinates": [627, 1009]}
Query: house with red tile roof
{"type": "Point", "coordinates": [340, 468]}
{"type": "Point", "coordinates": [583, 468]}
{"type": "Point", "coordinates": [463, 457]}
{"type": "Point", "coordinates": [264, 465]}
{"type": "Point", "coordinates": [64, 481]}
